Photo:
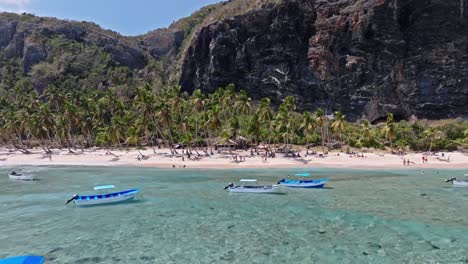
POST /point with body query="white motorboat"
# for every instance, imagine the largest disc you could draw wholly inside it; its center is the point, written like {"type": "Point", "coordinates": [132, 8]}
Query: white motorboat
{"type": "Point", "coordinates": [103, 198]}
{"type": "Point", "coordinates": [459, 183]}
{"type": "Point", "coordinates": [251, 188]}
{"type": "Point", "coordinates": [20, 176]}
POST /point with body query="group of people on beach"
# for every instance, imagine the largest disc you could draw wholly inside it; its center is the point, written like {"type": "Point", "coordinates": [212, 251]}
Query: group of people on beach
{"type": "Point", "coordinates": [357, 155]}
{"type": "Point", "coordinates": [407, 162]}
{"type": "Point", "coordinates": [237, 158]}
{"type": "Point", "coordinates": [424, 159]}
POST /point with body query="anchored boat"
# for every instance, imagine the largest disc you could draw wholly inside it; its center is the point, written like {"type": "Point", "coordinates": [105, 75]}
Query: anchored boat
{"type": "Point", "coordinates": [23, 260]}
{"type": "Point", "coordinates": [319, 183]}
{"type": "Point", "coordinates": [20, 176]}
{"type": "Point", "coordinates": [251, 188]}
{"type": "Point", "coordinates": [459, 183]}
{"type": "Point", "coordinates": [103, 198]}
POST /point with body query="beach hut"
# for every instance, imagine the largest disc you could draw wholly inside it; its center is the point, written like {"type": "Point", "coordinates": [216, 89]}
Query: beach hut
{"type": "Point", "coordinates": [226, 144]}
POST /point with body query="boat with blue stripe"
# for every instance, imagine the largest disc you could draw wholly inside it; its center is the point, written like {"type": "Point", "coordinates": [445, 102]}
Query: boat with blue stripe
{"type": "Point", "coordinates": [103, 198]}
{"type": "Point", "coordinates": [317, 183]}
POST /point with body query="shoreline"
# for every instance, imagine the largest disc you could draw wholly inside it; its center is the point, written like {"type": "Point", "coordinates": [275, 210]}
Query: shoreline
{"type": "Point", "coordinates": [164, 159]}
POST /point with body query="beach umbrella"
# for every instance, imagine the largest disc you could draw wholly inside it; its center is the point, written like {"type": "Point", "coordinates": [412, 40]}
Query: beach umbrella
{"type": "Point", "coordinates": [23, 260]}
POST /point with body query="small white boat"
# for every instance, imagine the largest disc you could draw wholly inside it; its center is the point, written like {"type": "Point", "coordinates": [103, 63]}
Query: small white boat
{"type": "Point", "coordinates": [20, 176]}
{"type": "Point", "coordinates": [459, 183]}
{"type": "Point", "coordinates": [252, 188]}
{"type": "Point", "coordinates": [103, 198]}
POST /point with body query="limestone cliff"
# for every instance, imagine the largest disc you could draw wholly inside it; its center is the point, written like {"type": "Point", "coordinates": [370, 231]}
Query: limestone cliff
{"type": "Point", "coordinates": [363, 57]}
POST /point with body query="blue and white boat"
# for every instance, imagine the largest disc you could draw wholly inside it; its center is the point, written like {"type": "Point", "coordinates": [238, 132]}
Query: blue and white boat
{"type": "Point", "coordinates": [318, 183]}
{"type": "Point", "coordinates": [103, 198]}
{"type": "Point", "coordinates": [23, 260]}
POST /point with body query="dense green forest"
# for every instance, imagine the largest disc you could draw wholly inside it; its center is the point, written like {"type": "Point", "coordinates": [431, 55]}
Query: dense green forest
{"type": "Point", "coordinates": [167, 117]}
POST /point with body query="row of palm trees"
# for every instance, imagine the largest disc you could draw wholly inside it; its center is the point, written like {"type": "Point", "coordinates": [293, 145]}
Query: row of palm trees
{"type": "Point", "coordinates": [168, 117]}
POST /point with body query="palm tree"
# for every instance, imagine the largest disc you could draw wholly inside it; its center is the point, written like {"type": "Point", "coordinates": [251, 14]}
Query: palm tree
{"type": "Point", "coordinates": [389, 129]}
{"type": "Point", "coordinates": [164, 116]}
{"type": "Point", "coordinates": [265, 116]}
{"type": "Point", "coordinates": [366, 131]}
{"type": "Point", "coordinates": [284, 119]}
{"type": "Point", "coordinates": [212, 123]}
{"type": "Point", "coordinates": [339, 124]}
{"type": "Point", "coordinates": [134, 139]}
{"type": "Point", "coordinates": [243, 106]}
{"type": "Point", "coordinates": [198, 101]}
{"type": "Point", "coordinates": [282, 122]}
{"type": "Point", "coordinates": [254, 128]}
{"type": "Point", "coordinates": [433, 134]}
{"type": "Point", "coordinates": [72, 120]}
{"type": "Point", "coordinates": [103, 136]}
{"type": "Point", "coordinates": [144, 103]}
{"type": "Point", "coordinates": [44, 124]}
{"type": "Point", "coordinates": [307, 126]}
{"type": "Point", "coordinates": [320, 119]}
{"type": "Point", "coordinates": [234, 127]}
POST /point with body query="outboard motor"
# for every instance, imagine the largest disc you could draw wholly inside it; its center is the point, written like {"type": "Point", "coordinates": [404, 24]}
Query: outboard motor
{"type": "Point", "coordinates": [229, 185]}
{"type": "Point", "coordinates": [71, 199]}
{"type": "Point", "coordinates": [451, 180]}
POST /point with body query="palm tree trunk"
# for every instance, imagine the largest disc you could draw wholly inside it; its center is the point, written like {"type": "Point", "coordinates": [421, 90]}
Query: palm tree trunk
{"type": "Point", "coordinates": [323, 139]}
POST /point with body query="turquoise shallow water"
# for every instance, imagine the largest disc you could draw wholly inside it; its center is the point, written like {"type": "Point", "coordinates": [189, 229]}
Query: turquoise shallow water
{"type": "Point", "coordinates": [185, 216]}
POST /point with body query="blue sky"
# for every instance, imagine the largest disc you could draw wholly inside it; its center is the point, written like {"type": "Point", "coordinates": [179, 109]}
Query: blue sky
{"type": "Point", "coordinates": [128, 17]}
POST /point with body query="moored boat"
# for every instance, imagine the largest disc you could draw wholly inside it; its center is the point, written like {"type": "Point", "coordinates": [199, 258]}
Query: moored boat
{"type": "Point", "coordinates": [318, 183]}
{"type": "Point", "coordinates": [103, 198]}
{"type": "Point", "coordinates": [23, 260]}
{"type": "Point", "coordinates": [20, 176]}
{"type": "Point", "coordinates": [459, 183]}
{"type": "Point", "coordinates": [251, 188]}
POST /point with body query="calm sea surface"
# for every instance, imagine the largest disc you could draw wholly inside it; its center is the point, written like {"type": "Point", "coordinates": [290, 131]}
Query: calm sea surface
{"type": "Point", "coordinates": [185, 216]}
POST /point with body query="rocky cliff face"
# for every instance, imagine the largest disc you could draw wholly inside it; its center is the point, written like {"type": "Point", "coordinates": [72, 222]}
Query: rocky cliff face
{"type": "Point", "coordinates": [365, 58]}
{"type": "Point", "coordinates": [26, 38]}
{"type": "Point", "coordinates": [362, 57]}
{"type": "Point", "coordinates": [263, 51]}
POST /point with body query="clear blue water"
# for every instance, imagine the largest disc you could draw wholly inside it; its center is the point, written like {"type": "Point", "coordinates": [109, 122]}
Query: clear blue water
{"type": "Point", "coordinates": [185, 216]}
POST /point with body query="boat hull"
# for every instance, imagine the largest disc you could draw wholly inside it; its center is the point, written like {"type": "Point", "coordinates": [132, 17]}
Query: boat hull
{"type": "Point", "coordinates": [106, 198]}
{"type": "Point", "coordinates": [255, 189]}
{"type": "Point", "coordinates": [23, 260]}
{"type": "Point", "coordinates": [303, 184]}
{"type": "Point", "coordinates": [21, 177]}
{"type": "Point", "coordinates": [460, 183]}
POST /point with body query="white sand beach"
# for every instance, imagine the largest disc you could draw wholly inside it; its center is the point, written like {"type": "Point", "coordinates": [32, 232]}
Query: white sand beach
{"type": "Point", "coordinates": [164, 159]}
